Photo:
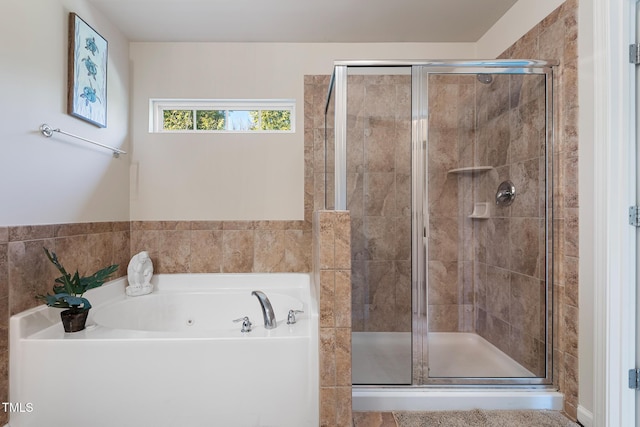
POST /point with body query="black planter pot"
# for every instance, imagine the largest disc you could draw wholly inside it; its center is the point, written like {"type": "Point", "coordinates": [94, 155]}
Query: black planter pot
{"type": "Point", "coordinates": [74, 320]}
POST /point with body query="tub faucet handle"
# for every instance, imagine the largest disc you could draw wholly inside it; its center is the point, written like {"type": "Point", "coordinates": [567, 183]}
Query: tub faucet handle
{"type": "Point", "coordinates": [291, 318]}
{"type": "Point", "coordinates": [246, 324]}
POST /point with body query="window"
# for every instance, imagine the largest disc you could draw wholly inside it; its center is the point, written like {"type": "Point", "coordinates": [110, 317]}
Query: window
{"type": "Point", "coordinates": [194, 116]}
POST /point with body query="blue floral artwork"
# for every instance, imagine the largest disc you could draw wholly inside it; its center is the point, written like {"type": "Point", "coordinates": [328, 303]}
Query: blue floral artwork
{"type": "Point", "coordinates": [87, 72]}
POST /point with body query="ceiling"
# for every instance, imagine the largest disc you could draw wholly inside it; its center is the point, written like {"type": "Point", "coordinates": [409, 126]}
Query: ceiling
{"type": "Point", "coordinates": [305, 21]}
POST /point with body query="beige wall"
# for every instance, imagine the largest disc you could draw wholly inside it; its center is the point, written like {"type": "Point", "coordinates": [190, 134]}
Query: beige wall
{"type": "Point", "coordinates": [60, 179]}
{"type": "Point", "coordinates": [521, 18]}
{"type": "Point", "coordinates": [233, 177]}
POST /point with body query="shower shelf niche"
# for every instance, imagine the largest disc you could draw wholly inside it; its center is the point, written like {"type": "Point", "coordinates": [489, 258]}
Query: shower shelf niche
{"type": "Point", "coordinates": [480, 211]}
{"type": "Point", "coordinates": [471, 169]}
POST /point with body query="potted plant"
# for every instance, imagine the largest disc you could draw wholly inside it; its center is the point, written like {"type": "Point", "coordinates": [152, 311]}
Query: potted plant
{"type": "Point", "coordinates": [69, 290]}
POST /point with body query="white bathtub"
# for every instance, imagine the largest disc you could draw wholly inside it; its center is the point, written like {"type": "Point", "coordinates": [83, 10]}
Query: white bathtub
{"type": "Point", "coordinates": [173, 358]}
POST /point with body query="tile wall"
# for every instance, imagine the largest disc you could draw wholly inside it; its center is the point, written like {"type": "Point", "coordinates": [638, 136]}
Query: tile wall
{"type": "Point", "coordinates": [25, 271]}
{"type": "Point", "coordinates": [230, 246]}
{"type": "Point", "coordinates": [332, 270]}
{"type": "Point", "coordinates": [509, 263]}
{"type": "Point", "coordinates": [224, 246]}
{"type": "Point", "coordinates": [556, 37]}
{"type": "Point", "coordinates": [452, 144]}
{"type": "Point", "coordinates": [460, 303]}
{"type": "Point", "coordinates": [379, 200]}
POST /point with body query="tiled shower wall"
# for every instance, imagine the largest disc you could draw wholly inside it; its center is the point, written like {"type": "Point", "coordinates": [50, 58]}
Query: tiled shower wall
{"type": "Point", "coordinates": [379, 200]}
{"type": "Point", "coordinates": [554, 38]}
{"type": "Point", "coordinates": [509, 263]}
{"type": "Point", "coordinates": [452, 112]}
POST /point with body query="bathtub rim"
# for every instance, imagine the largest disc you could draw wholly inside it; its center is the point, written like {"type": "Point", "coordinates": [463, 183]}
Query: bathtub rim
{"type": "Point", "coordinates": [44, 322]}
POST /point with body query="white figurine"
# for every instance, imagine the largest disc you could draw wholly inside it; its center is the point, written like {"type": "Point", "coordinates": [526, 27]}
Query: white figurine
{"type": "Point", "coordinates": [139, 273]}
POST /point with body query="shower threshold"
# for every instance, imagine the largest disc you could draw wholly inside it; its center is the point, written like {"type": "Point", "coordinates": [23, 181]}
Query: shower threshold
{"type": "Point", "coordinates": [385, 399]}
{"type": "Point", "coordinates": [385, 358]}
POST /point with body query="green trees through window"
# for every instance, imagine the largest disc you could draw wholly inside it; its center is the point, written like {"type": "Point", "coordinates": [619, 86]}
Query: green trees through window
{"type": "Point", "coordinates": [224, 120]}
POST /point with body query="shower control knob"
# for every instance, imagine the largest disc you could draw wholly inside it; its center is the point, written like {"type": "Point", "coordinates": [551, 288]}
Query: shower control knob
{"type": "Point", "coordinates": [506, 193]}
{"type": "Point", "coordinates": [246, 324]}
{"type": "Point", "coordinates": [291, 318]}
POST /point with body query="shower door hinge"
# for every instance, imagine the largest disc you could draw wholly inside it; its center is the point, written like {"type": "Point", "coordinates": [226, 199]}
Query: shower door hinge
{"type": "Point", "coordinates": [634, 379]}
{"type": "Point", "coordinates": [634, 53]}
{"type": "Point", "coordinates": [634, 216]}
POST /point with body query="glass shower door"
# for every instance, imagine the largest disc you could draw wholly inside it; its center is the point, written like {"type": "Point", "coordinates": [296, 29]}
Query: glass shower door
{"type": "Point", "coordinates": [484, 236]}
{"type": "Point", "coordinates": [378, 181]}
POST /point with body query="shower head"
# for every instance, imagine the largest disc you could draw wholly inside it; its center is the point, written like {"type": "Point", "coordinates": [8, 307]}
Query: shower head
{"type": "Point", "coordinates": [485, 78]}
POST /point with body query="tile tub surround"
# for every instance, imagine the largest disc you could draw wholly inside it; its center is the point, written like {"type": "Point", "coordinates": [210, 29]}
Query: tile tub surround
{"type": "Point", "coordinates": [175, 246]}
{"type": "Point", "coordinates": [224, 246]}
{"type": "Point", "coordinates": [332, 270]}
{"type": "Point", "coordinates": [26, 272]}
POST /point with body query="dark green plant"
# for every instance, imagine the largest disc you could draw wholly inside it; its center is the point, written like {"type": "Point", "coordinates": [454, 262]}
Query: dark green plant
{"type": "Point", "coordinates": [69, 289]}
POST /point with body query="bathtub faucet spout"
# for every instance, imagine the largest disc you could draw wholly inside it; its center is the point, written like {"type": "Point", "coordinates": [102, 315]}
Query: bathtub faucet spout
{"type": "Point", "coordinates": [267, 310]}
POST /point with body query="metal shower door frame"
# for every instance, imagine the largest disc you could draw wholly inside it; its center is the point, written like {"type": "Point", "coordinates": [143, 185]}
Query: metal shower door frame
{"type": "Point", "coordinates": [420, 72]}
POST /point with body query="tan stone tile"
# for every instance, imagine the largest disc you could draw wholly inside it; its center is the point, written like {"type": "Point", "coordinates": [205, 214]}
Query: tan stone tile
{"type": "Point", "coordinates": [99, 248]}
{"type": "Point", "coordinates": [524, 304]}
{"type": "Point", "coordinates": [327, 357]}
{"type": "Point", "coordinates": [570, 330]}
{"type": "Point", "coordinates": [269, 251]}
{"type": "Point", "coordinates": [4, 272]}
{"type": "Point", "coordinates": [342, 299]}
{"type": "Point", "coordinates": [374, 419]}
{"type": "Point", "coordinates": [65, 230]}
{"type": "Point", "coordinates": [73, 253]}
{"type": "Point", "coordinates": [145, 240]}
{"type": "Point", "coordinates": [206, 251]}
{"type": "Point", "coordinates": [379, 234]}
{"type": "Point", "coordinates": [206, 225]}
{"type": "Point", "coordinates": [524, 245]}
{"type": "Point", "coordinates": [297, 250]}
{"type": "Point", "coordinates": [328, 402]}
{"type": "Point", "coordinates": [571, 281]}
{"type": "Point", "coordinates": [238, 251]}
{"type": "Point", "coordinates": [327, 299]}
{"type": "Point", "coordinates": [119, 226]}
{"type": "Point", "coordinates": [326, 240]}
{"type": "Point", "coordinates": [343, 357]}
{"type": "Point", "coordinates": [238, 225]}
{"type": "Point", "coordinates": [571, 240]}
{"type": "Point", "coordinates": [121, 243]}
{"type": "Point", "coordinates": [30, 232]}
{"type": "Point", "coordinates": [174, 250]}
{"type": "Point", "coordinates": [443, 282]}
{"type": "Point", "coordinates": [344, 416]}
{"type": "Point", "coordinates": [30, 273]}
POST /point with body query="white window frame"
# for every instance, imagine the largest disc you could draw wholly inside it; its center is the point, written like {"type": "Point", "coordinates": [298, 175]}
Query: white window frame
{"type": "Point", "coordinates": [157, 106]}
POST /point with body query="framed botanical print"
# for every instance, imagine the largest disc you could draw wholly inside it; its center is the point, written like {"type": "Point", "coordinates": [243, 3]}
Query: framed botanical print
{"type": "Point", "coordinates": [87, 89]}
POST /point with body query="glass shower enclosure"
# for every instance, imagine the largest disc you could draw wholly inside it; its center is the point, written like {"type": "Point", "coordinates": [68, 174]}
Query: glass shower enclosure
{"type": "Point", "coordinates": [447, 171]}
